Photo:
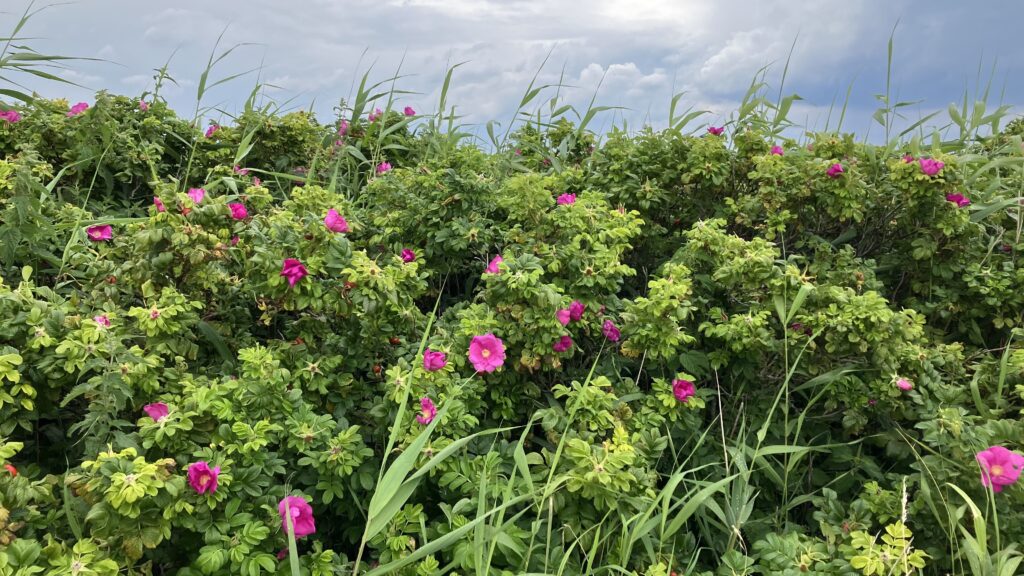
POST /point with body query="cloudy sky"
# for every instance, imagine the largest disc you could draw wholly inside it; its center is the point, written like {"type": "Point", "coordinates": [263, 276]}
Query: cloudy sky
{"type": "Point", "coordinates": [311, 51]}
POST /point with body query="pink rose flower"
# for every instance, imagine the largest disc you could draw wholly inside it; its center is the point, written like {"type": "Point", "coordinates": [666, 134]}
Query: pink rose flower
{"type": "Point", "coordinates": [908, 159]}
{"type": "Point", "coordinates": [143, 105]}
{"type": "Point", "coordinates": [157, 411]}
{"type": "Point", "coordinates": [234, 240]}
{"type": "Point", "coordinates": [238, 211]}
{"type": "Point", "coordinates": [373, 116]}
{"type": "Point", "coordinates": [716, 130]}
{"type": "Point", "coordinates": [999, 467]}
{"type": "Point", "coordinates": [160, 207]}
{"type": "Point", "coordinates": [610, 331]}
{"type": "Point", "coordinates": [576, 310]}
{"type": "Point", "coordinates": [563, 344]}
{"type": "Point", "coordinates": [102, 320]}
{"type": "Point", "coordinates": [904, 384]}
{"type": "Point", "coordinates": [565, 199]}
{"type": "Point", "coordinates": [408, 255]}
{"type": "Point", "coordinates": [428, 411]}
{"type": "Point", "coordinates": [256, 181]}
{"type": "Point", "coordinates": [212, 130]}
{"type": "Point", "coordinates": [959, 199]}
{"type": "Point", "coordinates": [100, 232]}
{"type": "Point", "coordinates": [409, 111]}
{"type": "Point", "coordinates": [486, 353]}
{"type": "Point", "coordinates": [492, 268]}
{"type": "Point", "coordinates": [196, 194]}
{"type": "Point", "coordinates": [343, 128]}
{"type": "Point", "coordinates": [383, 168]}
{"type": "Point", "coordinates": [930, 166]}
{"type": "Point", "coordinates": [301, 513]}
{"type": "Point", "coordinates": [10, 116]}
{"type": "Point", "coordinates": [293, 270]}
{"type": "Point", "coordinates": [78, 109]}
{"type": "Point", "coordinates": [433, 360]}
{"type": "Point", "coordinates": [777, 150]}
{"type": "Point", "coordinates": [335, 222]}
{"type": "Point", "coordinates": [683, 390]}
{"type": "Point", "coordinates": [202, 478]}
{"type": "Point", "coordinates": [563, 316]}
{"type": "Point", "coordinates": [835, 170]}
{"type": "Point", "coordinates": [239, 170]}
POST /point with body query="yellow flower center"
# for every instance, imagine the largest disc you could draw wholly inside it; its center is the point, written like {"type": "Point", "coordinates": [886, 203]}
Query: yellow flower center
{"type": "Point", "coordinates": [204, 480]}
{"type": "Point", "coordinates": [485, 353]}
{"type": "Point", "coordinates": [996, 470]}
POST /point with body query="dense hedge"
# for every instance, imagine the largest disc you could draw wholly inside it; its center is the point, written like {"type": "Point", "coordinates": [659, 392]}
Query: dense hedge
{"type": "Point", "coordinates": [639, 353]}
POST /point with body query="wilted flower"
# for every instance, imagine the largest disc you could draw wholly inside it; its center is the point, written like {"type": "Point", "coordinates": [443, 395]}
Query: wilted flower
{"type": "Point", "coordinates": [239, 170]}
{"type": "Point", "coordinates": [238, 211]}
{"type": "Point", "coordinates": [234, 240]}
{"type": "Point", "coordinates": [293, 270]}
{"type": "Point", "coordinates": [835, 170]}
{"type": "Point", "coordinates": [716, 130]}
{"type": "Point", "coordinates": [904, 384]}
{"type": "Point", "coordinates": [563, 316]}
{"type": "Point", "coordinates": [196, 194]}
{"type": "Point", "coordinates": [143, 105]}
{"type": "Point", "coordinates": [908, 159]}
{"type": "Point", "coordinates": [492, 268]}
{"type": "Point", "coordinates": [565, 199]}
{"type": "Point", "coordinates": [154, 313]}
{"type": "Point", "coordinates": [256, 181]}
{"type": "Point", "coordinates": [610, 331]}
{"type": "Point", "coordinates": [409, 111]}
{"type": "Point", "coordinates": [301, 513]}
{"type": "Point", "coordinates": [563, 344]}
{"type": "Point", "coordinates": [160, 207]}
{"type": "Point", "coordinates": [428, 411]}
{"type": "Point", "coordinates": [433, 360]}
{"type": "Point", "coordinates": [576, 310]}
{"type": "Point", "coordinates": [408, 255]}
{"type": "Point", "coordinates": [335, 222]}
{"type": "Point", "coordinates": [78, 109]}
{"type": "Point", "coordinates": [999, 467]}
{"type": "Point", "coordinates": [486, 352]}
{"type": "Point", "coordinates": [202, 478]}
{"type": "Point", "coordinates": [383, 167]}
{"type": "Point", "coordinates": [102, 320]}
{"type": "Point", "coordinates": [212, 129]}
{"type": "Point", "coordinates": [157, 411]}
{"type": "Point", "coordinates": [100, 232]}
{"type": "Point", "coordinates": [930, 166]}
{"type": "Point", "coordinates": [959, 199]}
{"type": "Point", "coordinates": [683, 390]}
{"type": "Point", "coordinates": [777, 150]}
{"type": "Point", "coordinates": [373, 116]}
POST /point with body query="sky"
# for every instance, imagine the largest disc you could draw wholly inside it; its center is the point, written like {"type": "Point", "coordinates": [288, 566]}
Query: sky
{"type": "Point", "coordinates": [633, 54]}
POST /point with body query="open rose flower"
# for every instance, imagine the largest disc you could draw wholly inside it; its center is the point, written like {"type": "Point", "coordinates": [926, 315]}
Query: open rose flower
{"type": "Point", "coordinates": [486, 353]}
{"type": "Point", "coordinates": [427, 411]}
{"type": "Point", "coordinates": [959, 199]}
{"type": "Point", "coordinates": [10, 116]}
{"type": "Point", "coordinates": [999, 467]}
{"type": "Point", "coordinates": [835, 170]}
{"type": "Point", "coordinates": [212, 130]}
{"type": "Point", "coordinates": [335, 222]}
{"type": "Point", "coordinates": [301, 514]}
{"type": "Point", "coordinates": [930, 166]}
{"type": "Point", "coordinates": [383, 168]}
{"type": "Point", "coordinates": [563, 344]}
{"type": "Point", "coordinates": [157, 411]}
{"type": "Point", "coordinates": [102, 320]}
{"type": "Point", "coordinates": [610, 331]}
{"type": "Point", "coordinates": [433, 360]}
{"type": "Point", "coordinates": [409, 111]}
{"type": "Point", "coordinates": [100, 232]}
{"type": "Point", "coordinates": [202, 478]}
{"type": "Point", "coordinates": [576, 310]}
{"type": "Point", "coordinates": [904, 384]}
{"type": "Point", "coordinates": [683, 390]}
{"type": "Point", "coordinates": [293, 270]}
{"type": "Point", "coordinates": [238, 211]}
{"type": "Point", "coordinates": [566, 199]}
{"type": "Point", "coordinates": [563, 316]}
{"type": "Point", "coordinates": [408, 255]}
{"type": "Point", "coordinates": [716, 130]}
{"type": "Point", "coordinates": [492, 268]}
{"type": "Point", "coordinates": [160, 207]}
{"type": "Point", "coordinates": [78, 109]}
{"type": "Point", "coordinates": [777, 150]}
{"type": "Point", "coordinates": [143, 105]}
{"type": "Point", "coordinates": [196, 194]}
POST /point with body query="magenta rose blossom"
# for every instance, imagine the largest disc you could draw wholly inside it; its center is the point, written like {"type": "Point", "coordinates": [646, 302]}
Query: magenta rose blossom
{"type": "Point", "coordinates": [777, 150]}
{"type": "Point", "coordinates": [683, 390]}
{"type": "Point", "coordinates": [78, 109]}
{"type": "Point", "coordinates": [143, 105]}
{"type": "Point", "coordinates": [835, 170]}
{"type": "Point", "coordinates": [343, 128]}
{"type": "Point", "coordinates": [301, 513]}
{"type": "Point", "coordinates": [100, 232]}
{"type": "Point", "coordinates": [427, 411]}
{"type": "Point", "coordinates": [212, 130]}
{"type": "Point", "coordinates": [716, 130]}
{"type": "Point", "coordinates": [908, 159]}
{"type": "Point", "coordinates": [373, 116]}
{"type": "Point", "coordinates": [563, 316]}
{"type": "Point", "coordinates": [234, 240]}
{"type": "Point", "coordinates": [293, 270]}
{"type": "Point", "coordinates": [492, 268]}
{"type": "Point", "coordinates": [196, 194]}
{"type": "Point", "coordinates": [157, 411]}
{"type": "Point", "coordinates": [409, 111]}
{"type": "Point", "coordinates": [10, 116]}
{"type": "Point", "coordinates": [959, 199]}
{"type": "Point", "coordinates": [383, 168]}
{"type": "Point", "coordinates": [486, 352]}
{"type": "Point", "coordinates": [566, 199]}
{"type": "Point", "coordinates": [576, 310]}
{"type": "Point", "coordinates": [202, 478]}
{"type": "Point", "coordinates": [563, 344]}
{"type": "Point", "coordinates": [160, 207]}
{"type": "Point", "coordinates": [433, 360]}
{"type": "Point", "coordinates": [335, 222]}
{"type": "Point", "coordinates": [238, 211]}
{"type": "Point", "coordinates": [999, 467]}
{"type": "Point", "coordinates": [930, 166]}
{"type": "Point", "coordinates": [904, 384]}
{"type": "Point", "coordinates": [408, 255]}
{"type": "Point", "coordinates": [610, 331]}
{"type": "Point", "coordinates": [102, 320]}
{"type": "Point", "coordinates": [239, 170]}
